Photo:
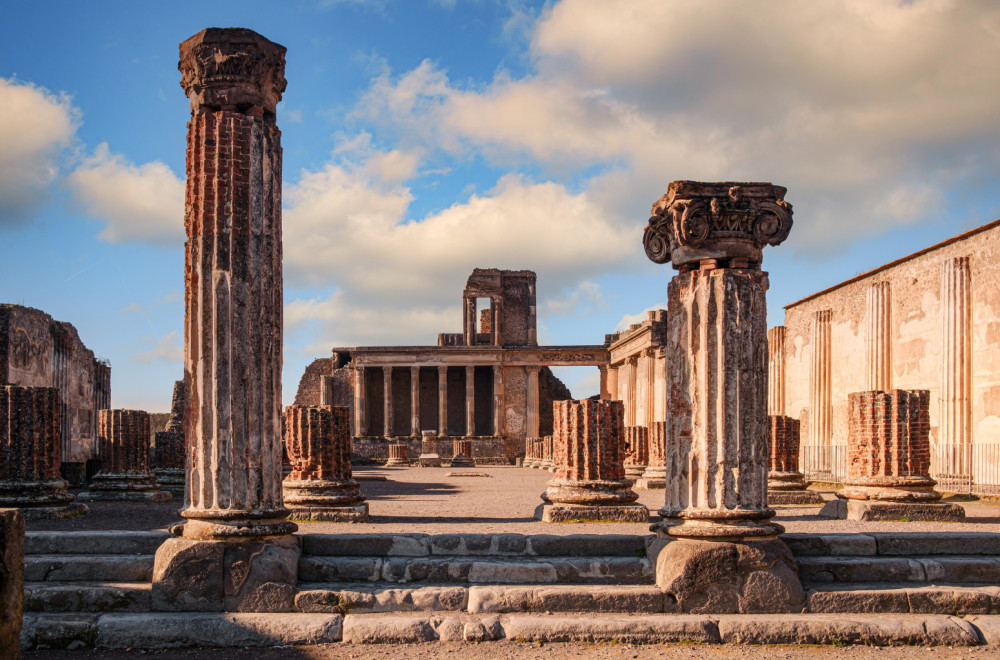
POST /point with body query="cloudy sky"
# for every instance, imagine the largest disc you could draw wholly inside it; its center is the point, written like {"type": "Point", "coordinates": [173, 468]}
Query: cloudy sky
{"type": "Point", "coordinates": [424, 139]}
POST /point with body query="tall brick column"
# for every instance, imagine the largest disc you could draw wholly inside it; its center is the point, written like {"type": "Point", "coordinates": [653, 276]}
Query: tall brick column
{"type": "Point", "coordinates": [717, 380]}
{"type": "Point", "coordinates": [888, 469]}
{"type": "Point", "coordinates": [589, 453]}
{"type": "Point", "coordinates": [237, 527]}
{"type": "Point", "coordinates": [123, 446]}
{"type": "Point", "coordinates": [168, 464]}
{"type": "Point", "coordinates": [785, 483]}
{"type": "Point", "coordinates": [636, 452]}
{"type": "Point", "coordinates": [30, 446]}
{"type": "Point", "coordinates": [321, 486]}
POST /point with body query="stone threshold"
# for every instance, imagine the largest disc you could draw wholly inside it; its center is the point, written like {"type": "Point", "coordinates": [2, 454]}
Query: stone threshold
{"type": "Point", "coordinates": [192, 629]}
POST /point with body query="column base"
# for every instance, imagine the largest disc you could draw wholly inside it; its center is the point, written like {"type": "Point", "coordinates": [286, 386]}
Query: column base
{"type": "Point", "coordinates": [653, 478]}
{"type": "Point", "coordinates": [785, 481]}
{"type": "Point", "coordinates": [429, 460]}
{"type": "Point", "coordinates": [730, 577]}
{"type": "Point", "coordinates": [893, 511]}
{"type": "Point", "coordinates": [225, 576]}
{"type": "Point", "coordinates": [397, 462]}
{"type": "Point", "coordinates": [781, 497]}
{"type": "Point", "coordinates": [726, 524]}
{"type": "Point", "coordinates": [462, 461]}
{"type": "Point", "coordinates": [125, 496]}
{"type": "Point", "coordinates": [555, 513]}
{"type": "Point", "coordinates": [602, 492]}
{"type": "Point", "coordinates": [235, 525]}
{"type": "Point", "coordinates": [891, 489]}
{"type": "Point", "coordinates": [356, 513]}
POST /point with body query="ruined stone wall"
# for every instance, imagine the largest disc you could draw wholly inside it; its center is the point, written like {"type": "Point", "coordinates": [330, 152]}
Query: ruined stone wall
{"type": "Point", "coordinates": [550, 389]}
{"type": "Point", "coordinates": [918, 337]}
{"type": "Point", "coordinates": [515, 314]}
{"type": "Point", "coordinates": [309, 384]}
{"type": "Point", "coordinates": [38, 351]}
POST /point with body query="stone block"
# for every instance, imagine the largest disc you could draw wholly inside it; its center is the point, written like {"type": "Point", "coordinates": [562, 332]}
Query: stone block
{"type": "Point", "coordinates": [820, 570]}
{"type": "Point", "coordinates": [60, 631]}
{"type": "Point", "coordinates": [227, 630]}
{"type": "Point", "coordinates": [94, 543]}
{"type": "Point", "coordinates": [841, 629]}
{"type": "Point", "coordinates": [937, 543]}
{"type": "Point", "coordinates": [11, 578]}
{"type": "Point", "coordinates": [366, 545]}
{"type": "Point", "coordinates": [988, 628]}
{"type": "Point", "coordinates": [858, 601]}
{"type": "Point", "coordinates": [621, 629]}
{"type": "Point", "coordinates": [124, 597]}
{"type": "Point", "coordinates": [596, 513]}
{"type": "Point", "coordinates": [830, 544]}
{"type": "Point", "coordinates": [487, 572]}
{"type": "Point", "coordinates": [339, 569]}
{"type": "Point", "coordinates": [786, 497]}
{"type": "Point", "coordinates": [587, 545]}
{"type": "Point", "coordinates": [187, 576]}
{"type": "Point", "coordinates": [357, 513]}
{"type": "Point", "coordinates": [387, 629]}
{"type": "Point", "coordinates": [913, 512]}
{"type": "Point", "coordinates": [381, 599]}
{"type": "Point", "coordinates": [82, 568]}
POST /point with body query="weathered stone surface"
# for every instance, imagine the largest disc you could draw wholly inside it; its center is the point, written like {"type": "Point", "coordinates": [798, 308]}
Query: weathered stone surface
{"type": "Point", "coordinates": [860, 569]}
{"type": "Point", "coordinates": [555, 513]}
{"type": "Point", "coordinates": [367, 545]}
{"type": "Point", "coordinates": [720, 577]}
{"type": "Point", "coordinates": [345, 514]}
{"type": "Point", "coordinates": [784, 475]}
{"type": "Point", "coordinates": [841, 629]}
{"type": "Point", "coordinates": [11, 578]}
{"type": "Point", "coordinates": [936, 543]}
{"type": "Point", "coordinates": [636, 459]}
{"type": "Point", "coordinates": [832, 544]}
{"type": "Point", "coordinates": [125, 473]}
{"type": "Point", "coordinates": [94, 542]}
{"type": "Point", "coordinates": [187, 576]}
{"type": "Point", "coordinates": [787, 497]}
{"type": "Point", "coordinates": [172, 630]}
{"type": "Point", "coordinates": [357, 598]}
{"type": "Point", "coordinates": [387, 629]}
{"type": "Point", "coordinates": [623, 629]}
{"type": "Point", "coordinates": [913, 511]}
{"type": "Point", "coordinates": [169, 457]}
{"type": "Point", "coordinates": [58, 631]}
{"type": "Point", "coordinates": [397, 455]}
{"type": "Point", "coordinates": [83, 568]}
{"type": "Point", "coordinates": [565, 598]}
{"type": "Point", "coordinates": [76, 597]}
{"type": "Point", "coordinates": [988, 628]}
{"type": "Point", "coordinates": [858, 601]}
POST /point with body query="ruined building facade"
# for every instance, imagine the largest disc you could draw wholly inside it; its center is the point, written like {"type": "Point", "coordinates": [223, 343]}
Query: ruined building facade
{"type": "Point", "coordinates": [490, 383]}
{"type": "Point", "coordinates": [38, 351]}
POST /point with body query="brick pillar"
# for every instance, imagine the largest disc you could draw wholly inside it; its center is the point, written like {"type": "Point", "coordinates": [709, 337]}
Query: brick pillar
{"type": "Point", "coordinates": [30, 446]}
{"type": "Point", "coordinates": [397, 455]}
{"type": "Point", "coordinates": [170, 453]}
{"type": "Point", "coordinates": [717, 388]}
{"type": "Point", "coordinates": [532, 323]}
{"type": "Point", "coordinates": [237, 525]}
{"type": "Point", "coordinates": [655, 474]}
{"type": "Point", "coordinates": [588, 452]}
{"type": "Point", "coordinates": [462, 453]}
{"type": "Point", "coordinates": [443, 402]}
{"type": "Point", "coordinates": [123, 447]}
{"type": "Point", "coordinates": [636, 451]}
{"type": "Point", "coordinates": [547, 452]}
{"type": "Point", "coordinates": [321, 486]}
{"type": "Point", "coordinates": [785, 483]}
{"type": "Point", "coordinates": [469, 322]}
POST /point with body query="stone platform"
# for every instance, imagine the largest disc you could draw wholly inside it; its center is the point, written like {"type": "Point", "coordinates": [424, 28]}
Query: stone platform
{"type": "Point", "coordinates": [125, 496]}
{"type": "Point", "coordinates": [582, 513]}
{"type": "Point", "coordinates": [892, 511]}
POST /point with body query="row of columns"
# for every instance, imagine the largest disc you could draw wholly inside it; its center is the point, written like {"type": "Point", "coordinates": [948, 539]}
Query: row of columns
{"type": "Point", "coordinates": [638, 383]}
{"type": "Point", "coordinates": [360, 400]}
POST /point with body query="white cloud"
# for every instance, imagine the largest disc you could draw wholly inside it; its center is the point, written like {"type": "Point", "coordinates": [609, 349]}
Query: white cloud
{"type": "Point", "coordinates": [166, 349]}
{"type": "Point", "coordinates": [37, 127]}
{"type": "Point", "coordinates": [628, 320]}
{"type": "Point", "coordinates": [143, 203]}
{"type": "Point", "coordinates": [585, 298]}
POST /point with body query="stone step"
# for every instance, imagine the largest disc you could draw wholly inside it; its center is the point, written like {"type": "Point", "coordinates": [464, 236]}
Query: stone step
{"type": "Point", "coordinates": [481, 570]}
{"type": "Point", "coordinates": [93, 543]}
{"type": "Point", "coordinates": [228, 630]}
{"type": "Point", "coordinates": [884, 598]}
{"type": "Point", "coordinates": [893, 544]}
{"type": "Point", "coordinates": [960, 570]}
{"type": "Point", "coordinates": [494, 599]}
{"type": "Point", "coordinates": [460, 545]}
{"type": "Point", "coordinates": [88, 568]}
{"type": "Point", "coordinates": [87, 596]}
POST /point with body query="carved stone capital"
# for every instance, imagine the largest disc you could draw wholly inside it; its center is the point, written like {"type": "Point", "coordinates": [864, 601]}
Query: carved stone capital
{"type": "Point", "coordinates": [232, 66]}
{"type": "Point", "coordinates": [697, 221]}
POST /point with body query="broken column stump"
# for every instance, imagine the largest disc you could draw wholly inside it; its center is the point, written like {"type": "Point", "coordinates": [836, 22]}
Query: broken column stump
{"type": "Point", "coordinates": [237, 552]}
{"type": "Point", "coordinates": [785, 483]}
{"type": "Point", "coordinates": [429, 456]}
{"type": "Point", "coordinates": [320, 487]}
{"type": "Point", "coordinates": [532, 459]}
{"type": "Point", "coordinates": [888, 468]}
{"type": "Point", "coordinates": [725, 555]}
{"type": "Point", "coordinates": [636, 452]}
{"type": "Point", "coordinates": [398, 456]}
{"type": "Point", "coordinates": [462, 454]}
{"type": "Point", "coordinates": [589, 452]}
{"type": "Point", "coordinates": [654, 476]}
{"type": "Point", "coordinates": [123, 446]}
{"type": "Point", "coordinates": [30, 454]}
{"type": "Point", "coordinates": [168, 463]}
{"type": "Point", "coordinates": [546, 449]}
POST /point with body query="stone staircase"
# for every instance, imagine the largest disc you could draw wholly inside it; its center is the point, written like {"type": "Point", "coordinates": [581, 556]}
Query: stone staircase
{"type": "Point", "coordinates": [917, 573]}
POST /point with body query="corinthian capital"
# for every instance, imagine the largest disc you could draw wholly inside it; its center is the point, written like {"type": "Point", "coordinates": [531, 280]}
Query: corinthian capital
{"type": "Point", "coordinates": [232, 66]}
{"type": "Point", "coordinates": [721, 221]}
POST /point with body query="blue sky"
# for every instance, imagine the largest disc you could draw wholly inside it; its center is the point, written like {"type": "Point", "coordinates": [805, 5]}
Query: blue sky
{"type": "Point", "coordinates": [423, 139]}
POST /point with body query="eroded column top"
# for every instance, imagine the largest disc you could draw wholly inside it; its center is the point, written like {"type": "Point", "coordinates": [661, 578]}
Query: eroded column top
{"type": "Point", "coordinates": [727, 222]}
{"type": "Point", "coordinates": [232, 67]}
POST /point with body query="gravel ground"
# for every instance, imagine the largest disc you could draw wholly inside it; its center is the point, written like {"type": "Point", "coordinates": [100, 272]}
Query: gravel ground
{"type": "Point", "coordinates": [520, 651]}
{"type": "Point", "coordinates": [425, 500]}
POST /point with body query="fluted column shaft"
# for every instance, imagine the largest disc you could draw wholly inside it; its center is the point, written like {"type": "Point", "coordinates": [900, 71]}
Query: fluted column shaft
{"type": "Point", "coordinates": [443, 401]}
{"type": "Point", "coordinates": [956, 362]}
{"type": "Point", "coordinates": [776, 371]}
{"type": "Point", "coordinates": [611, 384]}
{"type": "Point", "coordinates": [470, 401]}
{"type": "Point", "coordinates": [878, 337]}
{"type": "Point", "coordinates": [414, 400]}
{"type": "Point", "coordinates": [387, 402]}
{"type": "Point", "coordinates": [820, 401]}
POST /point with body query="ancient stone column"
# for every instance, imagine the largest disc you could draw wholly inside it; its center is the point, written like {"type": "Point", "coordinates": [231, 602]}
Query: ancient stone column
{"type": "Point", "coordinates": [955, 427]}
{"type": "Point", "coordinates": [636, 452]}
{"type": "Point", "coordinates": [237, 523]}
{"type": "Point", "coordinates": [443, 402]}
{"type": "Point", "coordinates": [660, 387]}
{"type": "Point", "coordinates": [529, 453]}
{"type": "Point", "coordinates": [415, 401]}
{"type": "Point", "coordinates": [30, 446]}
{"type": "Point", "coordinates": [785, 483]}
{"type": "Point", "coordinates": [470, 402]}
{"type": "Point", "coordinates": [533, 419]}
{"type": "Point", "coordinates": [321, 487]}
{"type": "Point", "coordinates": [776, 370]}
{"type": "Point", "coordinates": [360, 403]}
{"type": "Point", "coordinates": [820, 400]}
{"type": "Point", "coordinates": [123, 447]}
{"type": "Point", "coordinates": [498, 397]}
{"type": "Point", "coordinates": [470, 320]}
{"type": "Point", "coordinates": [878, 337]}
{"type": "Point", "coordinates": [611, 385]}
{"type": "Point", "coordinates": [397, 455]}
{"type": "Point", "coordinates": [387, 402]}
{"type": "Point", "coordinates": [717, 354]}
{"type": "Point", "coordinates": [588, 451]}
{"type": "Point", "coordinates": [429, 456]}
{"type": "Point", "coordinates": [325, 390]}
{"type": "Point", "coordinates": [643, 395]}
{"type": "Point", "coordinates": [888, 469]}
{"type": "Point", "coordinates": [462, 453]}
{"type": "Point", "coordinates": [170, 451]}
{"type": "Point", "coordinates": [532, 323]}
{"type": "Point", "coordinates": [655, 474]}
{"type": "Point", "coordinates": [547, 451]}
